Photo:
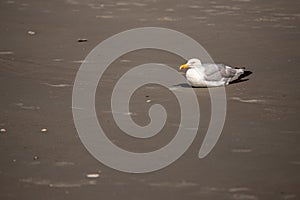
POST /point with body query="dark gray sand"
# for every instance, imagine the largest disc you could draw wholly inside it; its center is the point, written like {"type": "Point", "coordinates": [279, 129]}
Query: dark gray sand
{"type": "Point", "coordinates": [258, 154]}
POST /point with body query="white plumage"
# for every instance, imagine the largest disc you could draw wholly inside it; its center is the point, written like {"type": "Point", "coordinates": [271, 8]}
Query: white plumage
{"type": "Point", "coordinates": [210, 75]}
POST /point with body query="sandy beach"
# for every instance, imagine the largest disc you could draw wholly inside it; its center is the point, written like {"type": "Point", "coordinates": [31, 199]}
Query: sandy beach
{"type": "Point", "coordinates": [42, 157]}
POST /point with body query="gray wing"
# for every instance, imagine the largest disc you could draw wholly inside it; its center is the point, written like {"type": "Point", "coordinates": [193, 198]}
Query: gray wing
{"type": "Point", "coordinates": [216, 72]}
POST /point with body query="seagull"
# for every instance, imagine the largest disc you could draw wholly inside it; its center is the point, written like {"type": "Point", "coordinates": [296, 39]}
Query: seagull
{"type": "Point", "coordinates": [210, 75]}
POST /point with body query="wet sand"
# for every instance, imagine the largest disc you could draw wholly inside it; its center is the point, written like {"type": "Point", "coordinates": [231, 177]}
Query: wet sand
{"type": "Point", "coordinates": [258, 154]}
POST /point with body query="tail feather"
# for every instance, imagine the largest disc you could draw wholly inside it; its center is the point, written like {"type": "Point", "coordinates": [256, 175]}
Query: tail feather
{"type": "Point", "coordinates": [238, 73]}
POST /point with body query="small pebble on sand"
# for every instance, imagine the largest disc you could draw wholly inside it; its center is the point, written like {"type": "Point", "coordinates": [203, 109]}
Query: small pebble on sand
{"type": "Point", "coordinates": [35, 158]}
{"type": "Point", "coordinates": [43, 130]}
{"type": "Point", "coordinates": [94, 175]}
{"type": "Point", "coordinates": [2, 130]}
{"type": "Point", "coordinates": [31, 33]}
{"type": "Point", "coordinates": [82, 40]}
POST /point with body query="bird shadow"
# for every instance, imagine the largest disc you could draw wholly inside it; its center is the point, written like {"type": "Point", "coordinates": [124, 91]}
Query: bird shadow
{"type": "Point", "coordinates": [242, 77]}
{"type": "Point", "coordinates": [184, 85]}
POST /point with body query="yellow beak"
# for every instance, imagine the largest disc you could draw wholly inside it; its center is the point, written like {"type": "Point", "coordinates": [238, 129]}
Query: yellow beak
{"type": "Point", "coordinates": [183, 66]}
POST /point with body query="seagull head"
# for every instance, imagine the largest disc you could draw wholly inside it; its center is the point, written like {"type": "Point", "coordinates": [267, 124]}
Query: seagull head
{"type": "Point", "coordinates": [194, 62]}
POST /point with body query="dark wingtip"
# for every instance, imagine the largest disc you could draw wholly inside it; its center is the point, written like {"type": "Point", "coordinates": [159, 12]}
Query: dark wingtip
{"type": "Point", "coordinates": [240, 68]}
{"type": "Point", "coordinates": [246, 73]}
{"type": "Point", "coordinates": [241, 77]}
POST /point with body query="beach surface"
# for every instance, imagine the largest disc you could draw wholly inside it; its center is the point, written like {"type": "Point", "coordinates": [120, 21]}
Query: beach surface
{"type": "Point", "coordinates": [42, 157]}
